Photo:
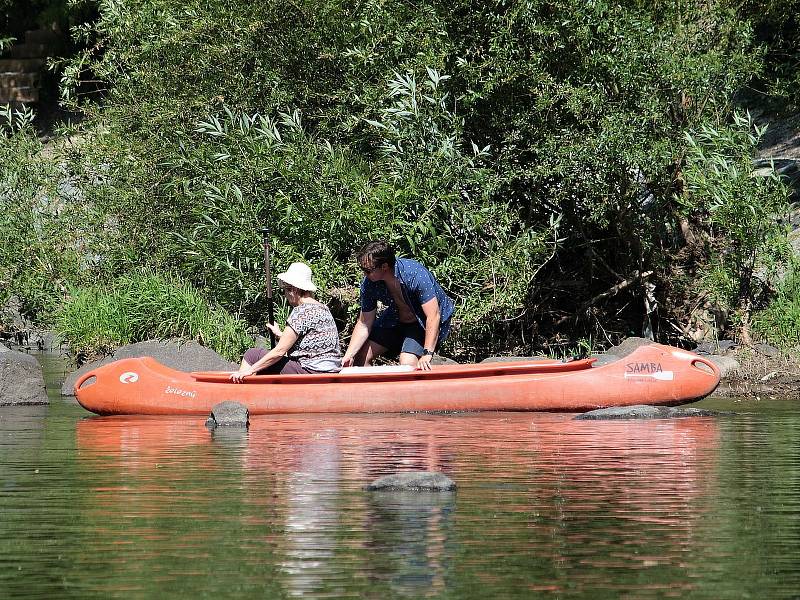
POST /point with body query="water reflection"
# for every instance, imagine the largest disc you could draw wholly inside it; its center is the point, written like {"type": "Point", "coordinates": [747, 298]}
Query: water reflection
{"type": "Point", "coordinates": [21, 432]}
{"type": "Point", "coordinates": [410, 538]}
{"type": "Point", "coordinates": [565, 502]}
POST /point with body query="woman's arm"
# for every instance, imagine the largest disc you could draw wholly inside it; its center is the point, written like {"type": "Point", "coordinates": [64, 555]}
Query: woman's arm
{"type": "Point", "coordinates": [285, 344]}
{"type": "Point", "coordinates": [273, 327]}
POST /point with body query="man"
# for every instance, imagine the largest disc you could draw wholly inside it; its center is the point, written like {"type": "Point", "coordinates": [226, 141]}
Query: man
{"type": "Point", "coordinates": [416, 319]}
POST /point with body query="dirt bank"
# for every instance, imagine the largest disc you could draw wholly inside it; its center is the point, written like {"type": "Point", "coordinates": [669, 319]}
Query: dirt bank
{"type": "Point", "coordinates": [759, 375]}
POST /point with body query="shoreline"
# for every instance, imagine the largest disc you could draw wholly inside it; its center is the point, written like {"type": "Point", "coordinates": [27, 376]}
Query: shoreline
{"type": "Point", "coordinates": [757, 375]}
{"type": "Point", "coordinates": [746, 372]}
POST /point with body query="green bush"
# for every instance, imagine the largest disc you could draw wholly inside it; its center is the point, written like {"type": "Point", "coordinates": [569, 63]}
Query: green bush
{"type": "Point", "coordinates": [424, 192]}
{"type": "Point", "coordinates": [741, 213]}
{"type": "Point", "coordinates": [779, 323]}
{"type": "Point", "coordinates": [530, 153]}
{"type": "Point", "coordinates": [37, 255]}
{"type": "Point", "coordinates": [777, 28]}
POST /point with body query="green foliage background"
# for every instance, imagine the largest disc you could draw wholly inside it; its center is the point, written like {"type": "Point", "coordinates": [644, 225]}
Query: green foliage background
{"type": "Point", "coordinates": [535, 155]}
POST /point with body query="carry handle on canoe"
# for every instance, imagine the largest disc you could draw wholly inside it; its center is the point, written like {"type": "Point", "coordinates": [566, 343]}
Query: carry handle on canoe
{"type": "Point", "coordinates": [82, 379]}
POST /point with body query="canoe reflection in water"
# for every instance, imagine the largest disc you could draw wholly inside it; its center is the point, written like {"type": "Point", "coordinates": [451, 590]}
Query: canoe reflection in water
{"type": "Point", "coordinates": [567, 494]}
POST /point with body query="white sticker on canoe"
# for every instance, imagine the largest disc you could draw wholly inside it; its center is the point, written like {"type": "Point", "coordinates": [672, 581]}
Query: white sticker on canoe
{"type": "Point", "coordinates": [129, 377]}
{"type": "Point", "coordinates": [660, 375]}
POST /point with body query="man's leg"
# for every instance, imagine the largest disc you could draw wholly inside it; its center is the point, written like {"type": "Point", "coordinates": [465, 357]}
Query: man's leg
{"type": "Point", "coordinates": [413, 338]}
{"type": "Point", "coordinates": [369, 352]}
{"type": "Point", "coordinates": [407, 358]}
{"type": "Point", "coordinates": [381, 340]}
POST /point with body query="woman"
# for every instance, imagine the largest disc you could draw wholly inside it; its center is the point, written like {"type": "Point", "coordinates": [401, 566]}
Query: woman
{"type": "Point", "coordinates": [310, 342]}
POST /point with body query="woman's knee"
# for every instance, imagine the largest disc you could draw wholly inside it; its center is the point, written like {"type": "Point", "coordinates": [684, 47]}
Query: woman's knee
{"type": "Point", "coordinates": [253, 355]}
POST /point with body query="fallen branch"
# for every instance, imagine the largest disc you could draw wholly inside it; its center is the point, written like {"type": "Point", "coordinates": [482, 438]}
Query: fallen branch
{"type": "Point", "coordinates": [612, 291]}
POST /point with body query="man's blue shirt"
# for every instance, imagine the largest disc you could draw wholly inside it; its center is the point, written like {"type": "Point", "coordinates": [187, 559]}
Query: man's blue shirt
{"type": "Point", "coordinates": [418, 286]}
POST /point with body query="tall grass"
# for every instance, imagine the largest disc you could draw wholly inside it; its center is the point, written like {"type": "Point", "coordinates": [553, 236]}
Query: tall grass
{"type": "Point", "coordinates": [779, 323]}
{"type": "Point", "coordinates": [137, 307]}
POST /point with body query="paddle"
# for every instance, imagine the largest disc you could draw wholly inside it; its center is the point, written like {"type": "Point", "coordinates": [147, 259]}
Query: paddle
{"type": "Point", "coordinates": [268, 275]}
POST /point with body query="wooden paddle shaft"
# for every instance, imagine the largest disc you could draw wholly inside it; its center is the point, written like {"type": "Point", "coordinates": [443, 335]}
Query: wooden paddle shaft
{"type": "Point", "coordinates": [268, 275]}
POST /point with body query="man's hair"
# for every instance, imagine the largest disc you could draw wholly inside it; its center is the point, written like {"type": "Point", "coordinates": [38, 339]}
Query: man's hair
{"type": "Point", "coordinates": [376, 253]}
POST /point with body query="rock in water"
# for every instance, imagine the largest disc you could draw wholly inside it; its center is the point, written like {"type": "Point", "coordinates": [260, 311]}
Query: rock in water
{"type": "Point", "coordinates": [228, 414]}
{"type": "Point", "coordinates": [413, 481]}
{"type": "Point", "coordinates": [643, 411]}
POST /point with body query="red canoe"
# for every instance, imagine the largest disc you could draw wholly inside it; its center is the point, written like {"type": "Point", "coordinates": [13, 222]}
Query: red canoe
{"type": "Point", "coordinates": [654, 374]}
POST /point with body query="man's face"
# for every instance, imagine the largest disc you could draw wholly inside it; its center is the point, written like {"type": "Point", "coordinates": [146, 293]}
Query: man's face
{"type": "Point", "coordinates": [372, 271]}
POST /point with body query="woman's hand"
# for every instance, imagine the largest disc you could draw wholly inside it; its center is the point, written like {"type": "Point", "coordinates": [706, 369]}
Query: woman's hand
{"type": "Point", "coordinates": [273, 327]}
{"type": "Point", "coordinates": [238, 376]}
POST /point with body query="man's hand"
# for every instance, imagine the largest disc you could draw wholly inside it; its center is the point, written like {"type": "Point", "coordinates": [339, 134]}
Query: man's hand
{"type": "Point", "coordinates": [424, 362]}
{"type": "Point", "coordinates": [347, 361]}
{"type": "Point", "coordinates": [273, 327]}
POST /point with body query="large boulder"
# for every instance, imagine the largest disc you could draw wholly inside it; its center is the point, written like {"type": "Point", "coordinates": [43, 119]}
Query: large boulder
{"type": "Point", "coordinates": [175, 354]}
{"type": "Point", "coordinates": [21, 379]}
{"type": "Point", "coordinates": [727, 365]}
{"type": "Point", "coordinates": [628, 345]}
{"type": "Point", "coordinates": [604, 358]}
{"type": "Point", "coordinates": [716, 347]}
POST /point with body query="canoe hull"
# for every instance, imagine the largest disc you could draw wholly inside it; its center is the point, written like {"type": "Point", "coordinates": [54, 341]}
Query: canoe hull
{"type": "Point", "coordinates": [654, 374]}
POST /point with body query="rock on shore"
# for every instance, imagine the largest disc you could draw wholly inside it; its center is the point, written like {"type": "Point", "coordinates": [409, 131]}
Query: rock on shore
{"type": "Point", "coordinates": [183, 356]}
{"type": "Point", "coordinates": [21, 379]}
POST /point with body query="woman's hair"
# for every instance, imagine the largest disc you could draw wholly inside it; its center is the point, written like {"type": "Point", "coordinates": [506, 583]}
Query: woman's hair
{"type": "Point", "coordinates": [290, 288]}
{"type": "Point", "coordinates": [376, 253]}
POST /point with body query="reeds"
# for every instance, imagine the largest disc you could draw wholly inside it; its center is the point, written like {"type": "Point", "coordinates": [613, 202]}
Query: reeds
{"type": "Point", "coordinates": [96, 320]}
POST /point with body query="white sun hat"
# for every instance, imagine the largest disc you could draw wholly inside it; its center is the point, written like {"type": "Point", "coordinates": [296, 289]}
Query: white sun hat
{"type": "Point", "coordinates": [298, 275]}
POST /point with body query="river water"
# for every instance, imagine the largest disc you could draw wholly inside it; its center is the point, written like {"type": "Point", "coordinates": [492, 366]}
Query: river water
{"type": "Point", "coordinates": [546, 506]}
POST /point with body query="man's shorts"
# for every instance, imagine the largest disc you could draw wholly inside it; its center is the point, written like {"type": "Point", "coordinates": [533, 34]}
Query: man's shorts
{"type": "Point", "coordinates": [406, 337]}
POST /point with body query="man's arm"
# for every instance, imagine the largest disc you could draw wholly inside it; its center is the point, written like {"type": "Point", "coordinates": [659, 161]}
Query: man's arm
{"type": "Point", "coordinates": [433, 318]}
{"type": "Point", "coordinates": [360, 335]}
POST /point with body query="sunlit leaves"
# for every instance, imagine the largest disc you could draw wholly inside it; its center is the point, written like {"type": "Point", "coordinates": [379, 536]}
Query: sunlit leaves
{"type": "Point", "coordinates": [742, 210]}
